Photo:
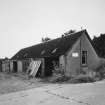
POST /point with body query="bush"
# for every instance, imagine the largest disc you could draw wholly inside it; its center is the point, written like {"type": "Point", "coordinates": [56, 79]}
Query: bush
{"type": "Point", "coordinates": [77, 79]}
{"type": "Point", "coordinates": [61, 79]}
{"type": "Point", "coordinates": [82, 79]}
{"type": "Point", "coordinates": [58, 78]}
{"type": "Point", "coordinates": [100, 70]}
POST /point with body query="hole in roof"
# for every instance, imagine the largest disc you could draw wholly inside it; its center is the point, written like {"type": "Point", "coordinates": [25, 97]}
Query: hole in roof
{"type": "Point", "coordinates": [54, 50]}
{"type": "Point", "coordinates": [25, 55]}
{"type": "Point", "coordinates": [42, 52]}
{"type": "Point", "coordinates": [17, 56]}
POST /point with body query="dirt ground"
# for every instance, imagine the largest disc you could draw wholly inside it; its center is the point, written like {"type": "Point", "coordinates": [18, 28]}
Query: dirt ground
{"type": "Point", "coordinates": [12, 82]}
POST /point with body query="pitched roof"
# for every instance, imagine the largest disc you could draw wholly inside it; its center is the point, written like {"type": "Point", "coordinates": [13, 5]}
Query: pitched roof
{"type": "Point", "coordinates": [50, 48]}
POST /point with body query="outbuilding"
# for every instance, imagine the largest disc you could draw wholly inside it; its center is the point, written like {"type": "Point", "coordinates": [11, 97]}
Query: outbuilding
{"type": "Point", "coordinates": [71, 54]}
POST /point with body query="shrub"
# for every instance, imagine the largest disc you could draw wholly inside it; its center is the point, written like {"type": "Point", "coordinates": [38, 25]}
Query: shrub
{"type": "Point", "coordinates": [59, 78]}
{"type": "Point", "coordinates": [77, 79]}
{"type": "Point", "coordinates": [100, 70]}
{"type": "Point", "coordinates": [82, 79]}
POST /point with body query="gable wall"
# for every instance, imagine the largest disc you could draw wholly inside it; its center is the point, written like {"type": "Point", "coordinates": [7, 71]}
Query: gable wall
{"type": "Point", "coordinates": [73, 64]}
{"type": "Point", "coordinates": [92, 58]}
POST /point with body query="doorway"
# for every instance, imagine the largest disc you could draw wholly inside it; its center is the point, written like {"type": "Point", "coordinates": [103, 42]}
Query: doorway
{"type": "Point", "coordinates": [50, 65]}
{"type": "Point", "coordinates": [14, 66]}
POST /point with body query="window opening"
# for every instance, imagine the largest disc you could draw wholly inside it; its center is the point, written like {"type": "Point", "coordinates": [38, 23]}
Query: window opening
{"type": "Point", "coordinates": [84, 57]}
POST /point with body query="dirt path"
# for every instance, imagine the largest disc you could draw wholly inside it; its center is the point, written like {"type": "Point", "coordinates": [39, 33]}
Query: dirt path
{"type": "Point", "coordinates": [58, 94]}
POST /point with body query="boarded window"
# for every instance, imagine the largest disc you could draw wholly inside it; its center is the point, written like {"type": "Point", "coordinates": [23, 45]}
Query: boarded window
{"type": "Point", "coordinates": [84, 57]}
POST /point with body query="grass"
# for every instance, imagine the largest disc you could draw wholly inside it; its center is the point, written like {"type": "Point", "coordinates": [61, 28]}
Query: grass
{"type": "Point", "coordinates": [12, 82]}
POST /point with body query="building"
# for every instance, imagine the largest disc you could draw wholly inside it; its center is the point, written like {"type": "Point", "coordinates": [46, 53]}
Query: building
{"type": "Point", "coordinates": [0, 64]}
{"type": "Point", "coordinates": [72, 54]}
{"type": "Point", "coordinates": [5, 65]}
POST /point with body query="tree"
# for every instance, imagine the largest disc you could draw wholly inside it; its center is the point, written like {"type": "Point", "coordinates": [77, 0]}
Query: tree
{"type": "Point", "coordinates": [46, 39]}
{"type": "Point", "coordinates": [99, 45]}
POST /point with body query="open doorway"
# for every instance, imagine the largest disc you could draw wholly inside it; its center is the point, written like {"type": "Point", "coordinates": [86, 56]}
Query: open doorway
{"type": "Point", "coordinates": [50, 65]}
{"type": "Point", "coordinates": [14, 66]}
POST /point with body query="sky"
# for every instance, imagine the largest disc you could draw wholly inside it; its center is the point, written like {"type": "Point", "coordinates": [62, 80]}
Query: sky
{"type": "Point", "coordinates": [24, 22]}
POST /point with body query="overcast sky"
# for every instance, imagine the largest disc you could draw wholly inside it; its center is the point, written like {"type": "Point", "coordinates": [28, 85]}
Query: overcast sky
{"type": "Point", "coordinates": [25, 22]}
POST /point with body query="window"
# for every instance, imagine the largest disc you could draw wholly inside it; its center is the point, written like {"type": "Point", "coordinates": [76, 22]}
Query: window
{"type": "Point", "coordinates": [84, 57]}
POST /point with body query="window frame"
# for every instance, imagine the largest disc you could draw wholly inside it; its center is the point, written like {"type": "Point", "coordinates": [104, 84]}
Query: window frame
{"type": "Point", "coordinates": [84, 54]}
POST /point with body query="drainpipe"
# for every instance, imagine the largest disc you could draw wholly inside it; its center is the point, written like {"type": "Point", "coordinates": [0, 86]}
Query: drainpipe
{"type": "Point", "coordinates": [80, 52]}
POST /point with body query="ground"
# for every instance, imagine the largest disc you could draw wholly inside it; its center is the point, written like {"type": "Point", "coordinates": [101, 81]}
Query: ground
{"type": "Point", "coordinates": [58, 94]}
{"type": "Point", "coordinates": [12, 82]}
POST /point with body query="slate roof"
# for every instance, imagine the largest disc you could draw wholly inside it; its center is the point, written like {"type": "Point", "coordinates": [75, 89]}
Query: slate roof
{"type": "Point", "coordinates": [55, 47]}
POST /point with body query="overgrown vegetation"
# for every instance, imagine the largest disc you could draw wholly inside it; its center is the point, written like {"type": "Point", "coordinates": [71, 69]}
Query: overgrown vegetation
{"type": "Point", "coordinates": [99, 45]}
{"type": "Point", "coordinates": [87, 77]}
{"type": "Point", "coordinates": [100, 70]}
{"type": "Point", "coordinates": [82, 79]}
{"type": "Point", "coordinates": [78, 79]}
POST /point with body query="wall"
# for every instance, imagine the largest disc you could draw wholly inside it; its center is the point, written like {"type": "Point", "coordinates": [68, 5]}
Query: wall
{"type": "Point", "coordinates": [73, 64]}
{"type": "Point", "coordinates": [5, 66]}
{"type": "Point", "coordinates": [92, 57]}
{"type": "Point", "coordinates": [22, 65]}
{"type": "Point", "coordinates": [19, 66]}
{"type": "Point", "coordinates": [62, 63]}
{"type": "Point", "coordinates": [11, 66]}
